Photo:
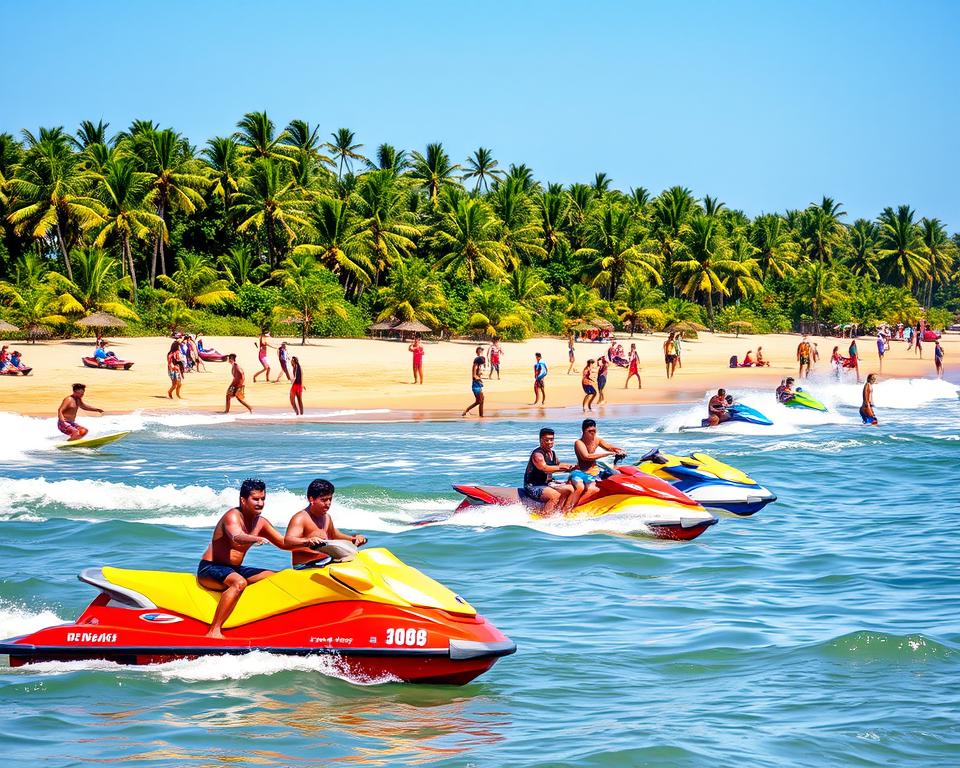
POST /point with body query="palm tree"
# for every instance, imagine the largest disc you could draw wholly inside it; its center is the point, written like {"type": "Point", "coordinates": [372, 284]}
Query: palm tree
{"type": "Point", "coordinates": [494, 313]}
{"type": "Point", "coordinates": [270, 201]}
{"type": "Point", "coordinates": [434, 170]}
{"type": "Point", "coordinates": [129, 215]}
{"type": "Point", "coordinates": [637, 303]}
{"type": "Point", "coordinates": [822, 231]}
{"type": "Point", "coordinates": [601, 184]}
{"type": "Point", "coordinates": [88, 134]}
{"type": "Point", "coordinates": [712, 205]}
{"type": "Point", "coordinates": [526, 287]}
{"type": "Point", "coordinates": [581, 304]}
{"type": "Point", "coordinates": [681, 311]}
{"type": "Point", "coordinates": [413, 292]}
{"type": "Point", "coordinates": [389, 229]}
{"type": "Point", "coordinates": [615, 246]}
{"type": "Point", "coordinates": [306, 139]}
{"type": "Point", "coordinates": [242, 267]}
{"type": "Point", "coordinates": [900, 248]}
{"type": "Point", "coordinates": [33, 305]}
{"type": "Point", "coordinates": [703, 261]}
{"type": "Point", "coordinates": [96, 285]}
{"type": "Point", "coordinates": [196, 282]}
{"type": "Point", "coordinates": [776, 248]}
{"type": "Point", "coordinates": [222, 155]}
{"type": "Point", "coordinates": [51, 192]}
{"type": "Point", "coordinates": [307, 292]}
{"type": "Point", "coordinates": [862, 257]}
{"type": "Point", "coordinates": [174, 183]}
{"type": "Point", "coordinates": [391, 159]}
{"type": "Point", "coordinates": [467, 241]}
{"type": "Point", "coordinates": [344, 149]}
{"type": "Point", "coordinates": [518, 231]}
{"type": "Point", "coordinates": [256, 136]}
{"type": "Point", "coordinates": [523, 174]}
{"type": "Point", "coordinates": [481, 166]}
{"type": "Point", "coordinates": [940, 253]}
{"type": "Point", "coordinates": [553, 211]}
{"type": "Point", "coordinates": [820, 287]}
{"type": "Point", "coordinates": [338, 243]}
{"type": "Point", "coordinates": [671, 213]}
{"type": "Point", "coordinates": [742, 280]}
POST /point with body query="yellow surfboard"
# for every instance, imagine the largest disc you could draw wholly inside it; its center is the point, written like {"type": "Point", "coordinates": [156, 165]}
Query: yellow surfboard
{"type": "Point", "coordinates": [93, 442]}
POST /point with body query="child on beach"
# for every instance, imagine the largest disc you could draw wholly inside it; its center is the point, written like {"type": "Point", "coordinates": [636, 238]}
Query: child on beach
{"type": "Point", "coordinates": [263, 345]}
{"type": "Point", "coordinates": [417, 349]}
{"type": "Point", "coordinates": [296, 388]}
{"type": "Point", "coordinates": [174, 370]}
{"type": "Point", "coordinates": [493, 358]}
{"type": "Point", "coordinates": [282, 355]}
{"type": "Point", "coordinates": [633, 361]}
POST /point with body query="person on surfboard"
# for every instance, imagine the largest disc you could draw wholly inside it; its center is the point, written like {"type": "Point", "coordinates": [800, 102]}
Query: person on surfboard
{"type": "Point", "coordinates": [67, 413]}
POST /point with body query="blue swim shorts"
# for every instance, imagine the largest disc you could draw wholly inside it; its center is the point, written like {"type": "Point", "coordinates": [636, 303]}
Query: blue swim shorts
{"type": "Point", "coordinates": [586, 479]}
{"type": "Point", "coordinates": [477, 387]}
{"type": "Point", "coordinates": [219, 572]}
{"type": "Point", "coordinates": [535, 492]}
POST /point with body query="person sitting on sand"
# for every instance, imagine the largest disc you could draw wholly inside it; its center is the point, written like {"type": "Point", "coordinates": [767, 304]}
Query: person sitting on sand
{"type": "Point", "coordinates": [760, 361]}
{"type": "Point", "coordinates": [16, 364]}
{"type": "Point", "coordinates": [747, 360]}
{"type": "Point", "coordinates": [717, 408]}
{"type": "Point", "coordinates": [314, 522]}
{"type": "Point", "coordinates": [221, 568]}
{"type": "Point", "coordinates": [67, 413]}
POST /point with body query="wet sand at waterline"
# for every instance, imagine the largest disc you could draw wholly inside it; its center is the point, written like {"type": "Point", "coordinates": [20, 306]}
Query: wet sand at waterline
{"type": "Point", "coordinates": [374, 376]}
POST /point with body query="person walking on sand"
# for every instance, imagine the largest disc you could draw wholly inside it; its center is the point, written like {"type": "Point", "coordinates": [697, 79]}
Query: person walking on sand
{"type": "Point", "coordinates": [539, 381]}
{"type": "Point", "coordinates": [283, 356]}
{"type": "Point", "coordinates": [174, 370]}
{"type": "Point", "coordinates": [853, 361]}
{"type": "Point", "coordinates": [881, 347]}
{"type": "Point", "coordinates": [866, 410]}
{"type": "Point", "coordinates": [804, 353]}
{"type": "Point", "coordinates": [918, 344]}
{"type": "Point", "coordinates": [236, 388]}
{"type": "Point", "coordinates": [67, 413]}
{"type": "Point", "coordinates": [493, 358]}
{"type": "Point", "coordinates": [417, 350]}
{"type": "Point", "coordinates": [476, 383]}
{"type": "Point", "coordinates": [633, 367]}
{"type": "Point", "coordinates": [938, 358]}
{"type": "Point", "coordinates": [668, 355]}
{"type": "Point", "coordinates": [602, 364]}
{"type": "Point", "coordinates": [296, 388]}
{"type": "Point", "coordinates": [571, 355]}
{"type": "Point", "coordinates": [589, 386]}
{"type": "Point", "coordinates": [263, 345]}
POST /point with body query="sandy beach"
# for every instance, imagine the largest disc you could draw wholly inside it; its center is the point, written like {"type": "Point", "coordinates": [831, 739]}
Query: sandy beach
{"type": "Point", "coordinates": [373, 375]}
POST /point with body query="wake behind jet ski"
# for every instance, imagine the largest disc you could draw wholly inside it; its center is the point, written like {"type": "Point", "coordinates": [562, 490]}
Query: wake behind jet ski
{"type": "Point", "coordinates": [722, 409]}
{"type": "Point", "coordinates": [715, 485]}
{"type": "Point", "coordinates": [378, 616]}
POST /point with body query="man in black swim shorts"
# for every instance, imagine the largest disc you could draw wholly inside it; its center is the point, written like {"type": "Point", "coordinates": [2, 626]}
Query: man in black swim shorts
{"type": "Point", "coordinates": [242, 527]}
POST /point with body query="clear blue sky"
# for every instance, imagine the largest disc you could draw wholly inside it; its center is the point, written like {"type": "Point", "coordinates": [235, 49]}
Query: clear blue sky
{"type": "Point", "coordinates": [766, 105]}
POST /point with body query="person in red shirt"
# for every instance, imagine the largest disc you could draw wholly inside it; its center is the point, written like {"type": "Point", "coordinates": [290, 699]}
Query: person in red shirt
{"type": "Point", "coordinates": [417, 349]}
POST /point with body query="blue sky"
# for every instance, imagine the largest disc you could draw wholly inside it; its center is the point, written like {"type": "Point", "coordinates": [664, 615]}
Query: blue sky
{"type": "Point", "coordinates": [766, 105]}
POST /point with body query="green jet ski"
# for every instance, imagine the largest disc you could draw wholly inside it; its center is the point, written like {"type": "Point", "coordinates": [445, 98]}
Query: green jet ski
{"type": "Point", "coordinates": [802, 399]}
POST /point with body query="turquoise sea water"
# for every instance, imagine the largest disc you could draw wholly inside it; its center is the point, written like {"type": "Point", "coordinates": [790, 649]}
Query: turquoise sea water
{"type": "Point", "coordinates": [823, 631]}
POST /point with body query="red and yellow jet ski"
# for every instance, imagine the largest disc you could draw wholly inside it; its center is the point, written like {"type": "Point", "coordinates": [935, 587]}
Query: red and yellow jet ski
{"type": "Point", "coordinates": [380, 617]}
{"type": "Point", "coordinates": [654, 506]}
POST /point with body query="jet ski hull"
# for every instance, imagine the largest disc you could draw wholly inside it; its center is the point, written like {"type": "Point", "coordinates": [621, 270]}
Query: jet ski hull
{"type": "Point", "coordinates": [372, 632]}
{"type": "Point", "coordinates": [802, 399]}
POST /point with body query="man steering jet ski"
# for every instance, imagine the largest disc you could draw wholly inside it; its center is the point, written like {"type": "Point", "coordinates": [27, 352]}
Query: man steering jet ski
{"type": "Point", "coordinates": [721, 408]}
{"type": "Point", "coordinates": [797, 398]}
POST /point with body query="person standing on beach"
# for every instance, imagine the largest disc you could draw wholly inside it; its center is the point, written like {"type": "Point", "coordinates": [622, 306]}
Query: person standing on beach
{"type": "Point", "coordinates": [668, 356]}
{"type": "Point", "coordinates": [296, 388]}
{"type": "Point", "coordinates": [263, 345]}
{"type": "Point", "coordinates": [539, 381]}
{"type": "Point", "coordinates": [938, 358]}
{"type": "Point", "coordinates": [881, 347]}
{"type": "Point", "coordinates": [174, 370]}
{"type": "Point", "coordinates": [677, 359]}
{"type": "Point", "coordinates": [633, 369]}
{"type": "Point", "coordinates": [589, 386]}
{"type": "Point", "coordinates": [493, 358]}
{"type": "Point", "coordinates": [601, 378]}
{"type": "Point", "coordinates": [866, 410]}
{"type": "Point", "coordinates": [417, 349]}
{"type": "Point", "coordinates": [853, 361]}
{"type": "Point", "coordinates": [476, 383]}
{"type": "Point", "coordinates": [67, 413]}
{"type": "Point", "coordinates": [570, 354]}
{"type": "Point", "coordinates": [804, 353]}
{"type": "Point", "coordinates": [236, 388]}
{"type": "Point", "coordinates": [919, 342]}
{"type": "Point", "coordinates": [282, 356]}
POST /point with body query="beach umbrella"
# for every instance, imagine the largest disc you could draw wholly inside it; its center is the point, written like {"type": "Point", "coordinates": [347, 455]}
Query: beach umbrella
{"type": "Point", "coordinates": [412, 326]}
{"type": "Point", "coordinates": [740, 325]}
{"type": "Point", "coordinates": [6, 327]}
{"type": "Point", "coordinates": [35, 332]}
{"type": "Point", "coordinates": [102, 320]}
{"type": "Point", "coordinates": [687, 326]}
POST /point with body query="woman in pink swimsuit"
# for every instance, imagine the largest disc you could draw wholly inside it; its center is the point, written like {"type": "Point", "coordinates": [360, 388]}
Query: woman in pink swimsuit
{"type": "Point", "coordinates": [263, 345]}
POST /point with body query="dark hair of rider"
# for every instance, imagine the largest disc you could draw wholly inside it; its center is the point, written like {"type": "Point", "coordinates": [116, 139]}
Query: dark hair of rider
{"type": "Point", "coordinates": [721, 392]}
{"type": "Point", "coordinates": [546, 431]}
{"type": "Point", "coordinates": [320, 489]}
{"type": "Point", "coordinates": [78, 387]}
{"type": "Point", "coordinates": [231, 357]}
{"type": "Point", "coordinates": [587, 424]}
{"type": "Point", "coordinates": [250, 485]}
{"type": "Point", "coordinates": [536, 355]}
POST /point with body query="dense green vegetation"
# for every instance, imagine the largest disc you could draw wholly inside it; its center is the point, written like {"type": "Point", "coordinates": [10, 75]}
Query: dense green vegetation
{"type": "Point", "coordinates": [272, 226]}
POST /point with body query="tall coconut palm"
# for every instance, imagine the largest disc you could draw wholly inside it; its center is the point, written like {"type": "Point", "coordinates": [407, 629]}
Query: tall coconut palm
{"type": "Point", "coordinates": [344, 149]}
{"type": "Point", "coordinates": [820, 288]}
{"type": "Point", "coordinates": [222, 156]}
{"type": "Point", "coordinates": [389, 229]}
{"type": "Point", "coordinates": [743, 280]}
{"type": "Point", "coordinates": [482, 167]}
{"type": "Point", "coordinates": [616, 249]}
{"type": "Point", "coordinates": [522, 173]}
{"type": "Point", "coordinates": [703, 261]}
{"type": "Point", "coordinates": [553, 210]}
{"type": "Point", "coordinates": [713, 205]}
{"type": "Point", "coordinates": [90, 133]}
{"type": "Point", "coordinates": [240, 267]}
{"type": "Point", "coordinates": [52, 193]}
{"type": "Point", "coordinates": [581, 304]}
{"type": "Point", "coordinates": [940, 253]}
{"type": "Point", "coordinates": [196, 282]}
{"type": "Point", "coordinates": [270, 202]}
{"type": "Point", "coordinates": [96, 286]}
{"type": "Point", "coordinates": [776, 248]}
{"type": "Point", "coordinates": [434, 170]}
{"type": "Point", "coordinates": [306, 139]}
{"type": "Point", "coordinates": [601, 184]}
{"type": "Point", "coordinates": [639, 199]}
{"type": "Point", "coordinates": [391, 159]}
{"type": "Point", "coordinates": [337, 243]}
{"type": "Point", "coordinates": [307, 292]}
{"type": "Point", "coordinates": [671, 212]}
{"type": "Point", "coordinates": [822, 231]}
{"type": "Point", "coordinates": [129, 216]}
{"type": "Point", "coordinates": [526, 287]}
{"type": "Point", "coordinates": [413, 292]}
{"type": "Point", "coordinates": [862, 256]}
{"type": "Point", "coordinates": [468, 244]}
{"type": "Point", "coordinates": [494, 313]}
{"type": "Point", "coordinates": [636, 303]}
{"type": "Point", "coordinates": [900, 248]}
{"type": "Point", "coordinates": [257, 138]}
{"type": "Point", "coordinates": [519, 231]}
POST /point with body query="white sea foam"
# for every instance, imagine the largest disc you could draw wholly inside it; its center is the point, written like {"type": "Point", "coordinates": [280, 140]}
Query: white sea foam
{"type": "Point", "coordinates": [16, 620]}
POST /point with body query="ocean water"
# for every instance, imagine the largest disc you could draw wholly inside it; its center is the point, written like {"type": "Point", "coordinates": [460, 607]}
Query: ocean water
{"type": "Point", "coordinates": [825, 630]}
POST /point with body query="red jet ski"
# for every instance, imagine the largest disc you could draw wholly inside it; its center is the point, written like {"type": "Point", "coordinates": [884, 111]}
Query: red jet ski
{"type": "Point", "coordinates": [113, 363]}
{"type": "Point", "coordinates": [212, 356]}
{"type": "Point", "coordinates": [381, 618]}
{"type": "Point", "coordinates": [654, 506]}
